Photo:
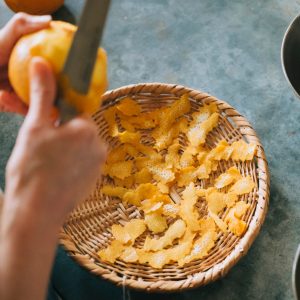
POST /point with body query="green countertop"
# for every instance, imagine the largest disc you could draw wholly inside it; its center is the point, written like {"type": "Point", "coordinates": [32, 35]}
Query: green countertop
{"type": "Point", "coordinates": [230, 49]}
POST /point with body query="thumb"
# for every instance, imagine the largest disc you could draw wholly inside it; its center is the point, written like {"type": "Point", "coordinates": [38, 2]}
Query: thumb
{"type": "Point", "coordinates": [42, 90]}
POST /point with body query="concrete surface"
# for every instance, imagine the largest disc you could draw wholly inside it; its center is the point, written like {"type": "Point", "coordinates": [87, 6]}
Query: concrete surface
{"type": "Point", "coordinates": [230, 49]}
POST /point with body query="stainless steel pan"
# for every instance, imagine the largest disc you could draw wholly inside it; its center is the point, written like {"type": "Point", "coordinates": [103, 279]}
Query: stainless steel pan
{"type": "Point", "coordinates": [290, 60]}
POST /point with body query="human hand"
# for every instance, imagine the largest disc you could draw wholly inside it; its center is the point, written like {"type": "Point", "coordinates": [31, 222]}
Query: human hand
{"type": "Point", "coordinates": [51, 168]}
{"type": "Point", "coordinates": [21, 24]}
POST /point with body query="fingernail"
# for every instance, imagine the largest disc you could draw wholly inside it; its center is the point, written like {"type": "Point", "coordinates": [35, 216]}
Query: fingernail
{"type": "Point", "coordinates": [34, 60]}
{"type": "Point", "coordinates": [104, 150]}
{"type": "Point", "coordinates": [41, 19]}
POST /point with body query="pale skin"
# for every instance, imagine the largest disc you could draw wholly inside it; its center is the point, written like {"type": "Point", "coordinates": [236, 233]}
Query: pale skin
{"type": "Point", "coordinates": [48, 172]}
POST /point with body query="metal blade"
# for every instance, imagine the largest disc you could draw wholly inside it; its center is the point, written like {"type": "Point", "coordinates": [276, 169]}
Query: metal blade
{"type": "Point", "coordinates": [82, 55]}
{"type": "Point", "coordinates": [79, 65]}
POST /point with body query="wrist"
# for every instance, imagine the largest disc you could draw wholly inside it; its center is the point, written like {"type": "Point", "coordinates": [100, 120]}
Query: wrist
{"type": "Point", "coordinates": [23, 219]}
{"type": "Point", "coordinates": [28, 245]}
{"type": "Point", "coordinates": [36, 200]}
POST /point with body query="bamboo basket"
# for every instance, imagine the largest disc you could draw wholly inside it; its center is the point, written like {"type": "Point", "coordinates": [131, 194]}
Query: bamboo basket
{"type": "Point", "coordinates": [87, 229]}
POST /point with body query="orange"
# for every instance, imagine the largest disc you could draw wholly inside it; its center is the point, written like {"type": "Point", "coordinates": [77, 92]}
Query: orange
{"type": "Point", "coordinates": [35, 7]}
{"type": "Point", "coordinates": [53, 44]}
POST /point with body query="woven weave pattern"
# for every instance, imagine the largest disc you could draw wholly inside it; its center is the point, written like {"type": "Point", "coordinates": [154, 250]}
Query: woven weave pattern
{"type": "Point", "coordinates": [87, 229]}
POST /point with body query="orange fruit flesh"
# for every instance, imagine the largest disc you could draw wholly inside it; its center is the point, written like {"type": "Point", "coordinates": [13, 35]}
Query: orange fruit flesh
{"type": "Point", "coordinates": [53, 44]}
{"type": "Point", "coordinates": [35, 7]}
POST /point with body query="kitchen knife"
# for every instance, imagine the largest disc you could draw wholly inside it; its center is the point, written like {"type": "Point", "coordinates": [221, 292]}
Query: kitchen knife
{"type": "Point", "coordinates": [79, 65]}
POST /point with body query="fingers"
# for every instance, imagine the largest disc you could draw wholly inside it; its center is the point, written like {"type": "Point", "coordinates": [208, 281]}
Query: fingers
{"type": "Point", "coordinates": [19, 25]}
{"type": "Point", "coordinates": [10, 102]}
{"type": "Point", "coordinates": [42, 91]}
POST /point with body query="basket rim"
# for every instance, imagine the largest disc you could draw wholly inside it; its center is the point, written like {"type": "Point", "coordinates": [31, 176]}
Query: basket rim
{"type": "Point", "coordinates": [220, 269]}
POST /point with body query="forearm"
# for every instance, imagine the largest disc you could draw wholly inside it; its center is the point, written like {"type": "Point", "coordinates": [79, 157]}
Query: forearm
{"type": "Point", "coordinates": [27, 247]}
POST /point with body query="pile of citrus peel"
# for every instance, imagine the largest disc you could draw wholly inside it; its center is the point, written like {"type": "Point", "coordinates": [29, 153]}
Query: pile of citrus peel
{"type": "Point", "coordinates": [147, 172]}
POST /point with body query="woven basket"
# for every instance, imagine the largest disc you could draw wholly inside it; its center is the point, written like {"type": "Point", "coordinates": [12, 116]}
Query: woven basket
{"type": "Point", "coordinates": [87, 228]}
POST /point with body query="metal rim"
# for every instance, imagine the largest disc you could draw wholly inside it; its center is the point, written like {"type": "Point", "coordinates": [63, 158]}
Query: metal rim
{"type": "Point", "coordinates": [282, 53]}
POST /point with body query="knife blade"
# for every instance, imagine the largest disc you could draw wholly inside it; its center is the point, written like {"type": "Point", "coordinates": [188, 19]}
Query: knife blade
{"type": "Point", "coordinates": [79, 65]}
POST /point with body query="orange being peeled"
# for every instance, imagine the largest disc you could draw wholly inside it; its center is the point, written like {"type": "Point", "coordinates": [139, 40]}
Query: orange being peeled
{"type": "Point", "coordinates": [53, 44]}
{"type": "Point", "coordinates": [35, 7]}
